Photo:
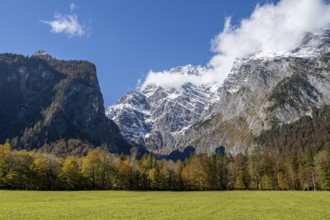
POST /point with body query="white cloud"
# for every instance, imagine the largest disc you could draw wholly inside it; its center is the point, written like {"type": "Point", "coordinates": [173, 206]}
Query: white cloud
{"type": "Point", "coordinates": [270, 28]}
{"type": "Point", "coordinates": [138, 82]}
{"type": "Point", "coordinates": [67, 24]}
{"type": "Point", "coordinates": [168, 79]}
{"type": "Point", "coordinates": [73, 6]}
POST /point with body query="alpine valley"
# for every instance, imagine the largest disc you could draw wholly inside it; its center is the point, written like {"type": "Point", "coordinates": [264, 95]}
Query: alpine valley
{"type": "Point", "coordinates": [275, 100]}
{"type": "Point", "coordinates": [267, 100]}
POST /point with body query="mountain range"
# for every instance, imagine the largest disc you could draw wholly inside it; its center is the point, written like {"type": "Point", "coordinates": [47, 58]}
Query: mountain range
{"type": "Point", "coordinates": [264, 95]}
{"type": "Point", "coordinates": [278, 100]}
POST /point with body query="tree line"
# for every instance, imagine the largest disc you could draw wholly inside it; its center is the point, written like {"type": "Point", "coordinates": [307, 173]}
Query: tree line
{"type": "Point", "coordinates": [306, 169]}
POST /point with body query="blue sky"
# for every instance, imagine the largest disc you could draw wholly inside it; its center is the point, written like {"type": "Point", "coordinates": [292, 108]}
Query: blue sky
{"type": "Point", "coordinates": [124, 38]}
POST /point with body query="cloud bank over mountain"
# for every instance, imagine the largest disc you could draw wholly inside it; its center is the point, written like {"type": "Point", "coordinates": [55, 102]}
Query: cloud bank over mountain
{"type": "Point", "coordinates": [270, 28]}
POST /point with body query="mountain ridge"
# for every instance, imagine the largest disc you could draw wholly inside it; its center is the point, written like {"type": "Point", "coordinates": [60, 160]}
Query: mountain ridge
{"type": "Point", "coordinates": [47, 102]}
{"type": "Point", "coordinates": [262, 90]}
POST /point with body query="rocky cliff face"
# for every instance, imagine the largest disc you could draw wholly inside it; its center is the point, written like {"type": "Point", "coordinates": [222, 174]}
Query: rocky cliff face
{"type": "Point", "coordinates": [155, 117]}
{"type": "Point", "coordinates": [262, 91]}
{"type": "Point", "coordinates": [44, 100]}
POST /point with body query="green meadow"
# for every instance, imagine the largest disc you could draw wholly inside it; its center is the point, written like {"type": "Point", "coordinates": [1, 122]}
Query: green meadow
{"type": "Point", "coordinates": [164, 205]}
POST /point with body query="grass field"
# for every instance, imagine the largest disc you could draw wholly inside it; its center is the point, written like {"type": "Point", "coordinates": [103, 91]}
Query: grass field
{"type": "Point", "coordinates": [164, 205]}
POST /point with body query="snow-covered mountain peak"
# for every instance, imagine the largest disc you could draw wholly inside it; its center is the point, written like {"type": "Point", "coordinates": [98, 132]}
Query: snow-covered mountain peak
{"type": "Point", "coordinates": [262, 89]}
{"type": "Point", "coordinates": [189, 70]}
{"type": "Point", "coordinates": [153, 115]}
{"type": "Point", "coordinates": [312, 45]}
